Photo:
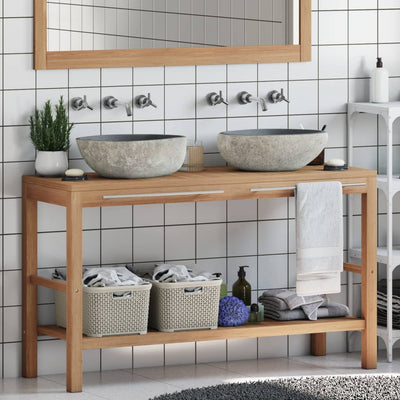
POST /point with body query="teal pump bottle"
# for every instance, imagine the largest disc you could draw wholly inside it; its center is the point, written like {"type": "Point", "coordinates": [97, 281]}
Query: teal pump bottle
{"type": "Point", "coordinates": [241, 288]}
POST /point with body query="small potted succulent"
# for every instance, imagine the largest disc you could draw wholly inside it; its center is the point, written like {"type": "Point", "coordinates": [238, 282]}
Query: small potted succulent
{"type": "Point", "coordinates": [51, 139]}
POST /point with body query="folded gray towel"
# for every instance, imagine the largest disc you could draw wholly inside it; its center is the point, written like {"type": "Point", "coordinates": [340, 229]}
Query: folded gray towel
{"type": "Point", "coordinates": [330, 311]}
{"type": "Point", "coordinates": [283, 299]}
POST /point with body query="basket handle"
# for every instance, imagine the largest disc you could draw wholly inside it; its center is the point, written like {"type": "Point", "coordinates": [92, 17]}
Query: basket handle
{"type": "Point", "coordinates": [193, 290]}
{"type": "Point", "coordinates": [122, 295]}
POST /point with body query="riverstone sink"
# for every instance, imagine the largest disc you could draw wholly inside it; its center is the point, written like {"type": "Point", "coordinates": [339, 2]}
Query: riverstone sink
{"type": "Point", "coordinates": [271, 149]}
{"type": "Point", "coordinates": [133, 156]}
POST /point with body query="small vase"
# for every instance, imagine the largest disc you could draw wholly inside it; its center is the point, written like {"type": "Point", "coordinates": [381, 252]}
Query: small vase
{"type": "Point", "coordinates": [51, 163]}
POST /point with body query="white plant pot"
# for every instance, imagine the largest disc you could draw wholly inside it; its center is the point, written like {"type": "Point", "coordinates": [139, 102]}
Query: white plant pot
{"type": "Point", "coordinates": [51, 163]}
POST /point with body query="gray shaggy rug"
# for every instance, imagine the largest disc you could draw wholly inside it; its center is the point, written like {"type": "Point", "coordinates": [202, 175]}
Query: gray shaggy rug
{"type": "Point", "coordinates": [356, 387]}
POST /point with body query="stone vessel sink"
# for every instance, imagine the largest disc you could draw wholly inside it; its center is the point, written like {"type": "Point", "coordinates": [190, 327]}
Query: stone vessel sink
{"type": "Point", "coordinates": [133, 156]}
{"type": "Point", "coordinates": [271, 149]}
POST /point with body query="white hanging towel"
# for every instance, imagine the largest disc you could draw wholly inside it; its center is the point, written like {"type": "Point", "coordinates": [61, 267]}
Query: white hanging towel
{"type": "Point", "coordinates": [319, 238]}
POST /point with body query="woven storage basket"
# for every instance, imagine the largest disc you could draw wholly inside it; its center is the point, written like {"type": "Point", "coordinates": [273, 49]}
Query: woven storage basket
{"type": "Point", "coordinates": [104, 313]}
{"type": "Point", "coordinates": [179, 307]}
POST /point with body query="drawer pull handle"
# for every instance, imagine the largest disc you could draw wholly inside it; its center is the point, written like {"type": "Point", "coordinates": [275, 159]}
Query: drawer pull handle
{"type": "Point", "coordinates": [123, 196]}
{"type": "Point", "coordinates": [293, 187]}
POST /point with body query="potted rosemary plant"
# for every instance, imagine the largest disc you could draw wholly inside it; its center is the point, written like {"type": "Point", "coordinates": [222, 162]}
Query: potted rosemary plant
{"type": "Point", "coordinates": [51, 139]}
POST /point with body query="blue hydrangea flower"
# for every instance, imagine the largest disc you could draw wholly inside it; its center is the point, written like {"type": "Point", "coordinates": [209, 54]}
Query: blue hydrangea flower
{"type": "Point", "coordinates": [232, 312]}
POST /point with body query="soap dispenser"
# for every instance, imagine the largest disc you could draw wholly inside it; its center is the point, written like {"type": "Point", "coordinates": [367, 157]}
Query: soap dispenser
{"type": "Point", "coordinates": [224, 290]}
{"type": "Point", "coordinates": [379, 84]}
{"type": "Point", "coordinates": [241, 288]}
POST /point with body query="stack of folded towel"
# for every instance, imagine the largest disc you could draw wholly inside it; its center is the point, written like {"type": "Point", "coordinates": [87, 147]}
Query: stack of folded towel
{"type": "Point", "coordinates": [286, 305]}
{"type": "Point", "coordinates": [382, 303]}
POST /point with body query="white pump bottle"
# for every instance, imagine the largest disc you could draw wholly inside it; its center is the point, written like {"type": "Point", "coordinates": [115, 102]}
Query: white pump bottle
{"type": "Point", "coordinates": [379, 84]}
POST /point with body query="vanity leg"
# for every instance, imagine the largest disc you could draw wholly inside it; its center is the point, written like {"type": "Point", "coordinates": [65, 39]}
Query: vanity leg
{"type": "Point", "coordinates": [369, 276]}
{"type": "Point", "coordinates": [29, 290]}
{"type": "Point", "coordinates": [74, 294]}
{"type": "Point", "coordinates": [318, 344]}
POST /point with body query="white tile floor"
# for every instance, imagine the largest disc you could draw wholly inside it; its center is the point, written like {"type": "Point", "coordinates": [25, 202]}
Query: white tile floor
{"type": "Point", "coordinates": [145, 383]}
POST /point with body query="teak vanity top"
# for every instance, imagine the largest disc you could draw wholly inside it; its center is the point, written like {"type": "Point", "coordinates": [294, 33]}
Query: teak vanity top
{"type": "Point", "coordinates": [212, 184]}
{"type": "Point", "coordinates": [215, 183]}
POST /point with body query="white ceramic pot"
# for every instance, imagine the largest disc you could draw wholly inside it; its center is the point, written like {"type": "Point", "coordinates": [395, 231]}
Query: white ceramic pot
{"type": "Point", "coordinates": [51, 163]}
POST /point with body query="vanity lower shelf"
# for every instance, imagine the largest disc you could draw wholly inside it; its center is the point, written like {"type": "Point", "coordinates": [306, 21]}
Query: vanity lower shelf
{"type": "Point", "coordinates": [212, 184]}
{"type": "Point", "coordinates": [266, 328]}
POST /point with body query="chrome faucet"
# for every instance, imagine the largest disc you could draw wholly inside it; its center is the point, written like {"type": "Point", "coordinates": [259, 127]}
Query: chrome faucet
{"type": "Point", "coordinates": [247, 98]}
{"type": "Point", "coordinates": [143, 101]}
{"type": "Point", "coordinates": [128, 109]}
{"type": "Point", "coordinates": [277, 97]}
{"type": "Point", "coordinates": [79, 103]}
{"type": "Point", "coordinates": [213, 99]}
{"type": "Point", "coordinates": [110, 102]}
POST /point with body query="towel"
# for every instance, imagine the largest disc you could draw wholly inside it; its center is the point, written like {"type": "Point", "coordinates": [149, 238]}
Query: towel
{"type": "Point", "coordinates": [102, 277]}
{"type": "Point", "coordinates": [382, 310]}
{"type": "Point", "coordinates": [330, 311]}
{"type": "Point", "coordinates": [283, 299]}
{"type": "Point", "coordinates": [382, 286]}
{"type": "Point", "coordinates": [179, 273]}
{"type": "Point", "coordinates": [117, 276]}
{"type": "Point", "coordinates": [319, 230]}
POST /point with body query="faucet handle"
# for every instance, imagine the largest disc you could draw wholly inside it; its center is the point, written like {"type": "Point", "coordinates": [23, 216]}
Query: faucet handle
{"type": "Point", "coordinates": [244, 97]}
{"type": "Point", "coordinates": [277, 97]}
{"type": "Point", "coordinates": [150, 102]}
{"type": "Point", "coordinates": [79, 103]}
{"type": "Point", "coordinates": [143, 101]}
{"type": "Point", "coordinates": [213, 99]}
{"type": "Point", "coordinates": [110, 102]}
{"type": "Point", "coordinates": [283, 97]}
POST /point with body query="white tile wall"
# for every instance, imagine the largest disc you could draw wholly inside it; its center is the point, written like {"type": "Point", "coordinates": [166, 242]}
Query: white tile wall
{"type": "Point", "coordinates": [258, 233]}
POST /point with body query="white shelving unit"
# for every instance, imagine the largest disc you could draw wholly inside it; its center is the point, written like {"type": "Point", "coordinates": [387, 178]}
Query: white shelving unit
{"type": "Point", "coordinates": [390, 185]}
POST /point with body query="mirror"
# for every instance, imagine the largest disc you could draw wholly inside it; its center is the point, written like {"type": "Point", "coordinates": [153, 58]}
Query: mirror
{"type": "Point", "coordinates": [120, 33]}
{"type": "Point", "coordinates": [100, 25]}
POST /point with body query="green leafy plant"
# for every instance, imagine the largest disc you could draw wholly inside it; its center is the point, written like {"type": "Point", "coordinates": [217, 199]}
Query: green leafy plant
{"type": "Point", "coordinates": [48, 133]}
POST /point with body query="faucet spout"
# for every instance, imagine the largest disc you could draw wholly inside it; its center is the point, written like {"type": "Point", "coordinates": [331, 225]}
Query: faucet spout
{"type": "Point", "coordinates": [246, 98]}
{"type": "Point", "coordinates": [261, 101]}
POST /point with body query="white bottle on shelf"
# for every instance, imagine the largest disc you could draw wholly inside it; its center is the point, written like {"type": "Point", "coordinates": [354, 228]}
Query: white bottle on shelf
{"type": "Point", "coordinates": [379, 84]}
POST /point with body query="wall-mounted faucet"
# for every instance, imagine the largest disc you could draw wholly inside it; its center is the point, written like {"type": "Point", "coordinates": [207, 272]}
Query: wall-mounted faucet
{"type": "Point", "coordinates": [110, 102]}
{"type": "Point", "coordinates": [128, 109]}
{"type": "Point", "coordinates": [213, 99]}
{"type": "Point", "coordinates": [277, 97]}
{"type": "Point", "coordinates": [79, 103]}
{"type": "Point", "coordinates": [246, 98]}
{"type": "Point", "coordinates": [143, 101]}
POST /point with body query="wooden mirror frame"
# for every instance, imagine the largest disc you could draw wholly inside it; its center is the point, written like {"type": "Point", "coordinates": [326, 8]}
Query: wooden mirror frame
{"type": "Point", "coordinates": [171, 56]}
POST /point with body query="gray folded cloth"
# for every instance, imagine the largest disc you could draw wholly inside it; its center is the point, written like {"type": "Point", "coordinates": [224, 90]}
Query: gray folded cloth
{"type": "Point", "coordinates": [283, 299]}
{"type": "Point", "coordinates": [330, 311]}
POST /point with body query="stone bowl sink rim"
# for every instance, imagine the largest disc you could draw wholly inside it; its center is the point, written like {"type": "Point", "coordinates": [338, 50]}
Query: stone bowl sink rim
{"type": "Point", "coordinates": [128, 137]}
{"type": "Point", "coordinates": [271, 132]}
